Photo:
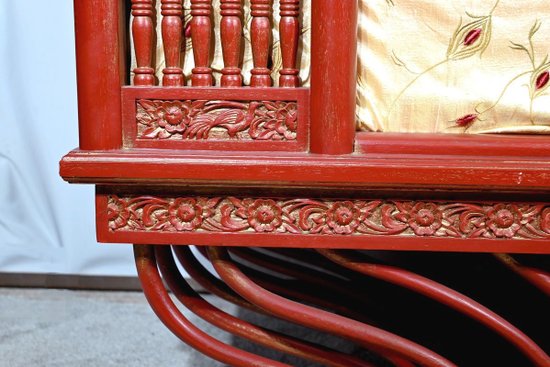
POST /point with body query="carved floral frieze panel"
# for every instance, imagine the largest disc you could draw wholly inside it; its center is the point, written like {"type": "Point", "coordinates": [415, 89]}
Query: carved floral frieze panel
{"type": "Point", "coordinates": [328, 217]}
{"type": "Point", "coordinates": [216, 120]}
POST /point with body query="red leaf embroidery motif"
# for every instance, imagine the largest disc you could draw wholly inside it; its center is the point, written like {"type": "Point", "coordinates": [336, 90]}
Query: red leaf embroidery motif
{"type": "Point", "coordinates": [543, 79]}
{"type": "Point", "coordinates": [466, 120]}
{"type": "Point", "coordinates": [472, 36]}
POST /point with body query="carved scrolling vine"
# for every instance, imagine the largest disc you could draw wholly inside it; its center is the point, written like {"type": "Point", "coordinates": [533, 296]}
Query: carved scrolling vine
{"type": "Point", "coordinates": [329, 217]}
{"type": "Point", "coordinates": [216, 120]}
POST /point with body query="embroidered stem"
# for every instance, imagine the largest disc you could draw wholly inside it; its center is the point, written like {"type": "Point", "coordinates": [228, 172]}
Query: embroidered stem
{"type": "Point", "coordinates": [504, 91]}
{"type": "Point", "coordinates": [494, 7]}
{"type": "Point", "coordinates": [392, 105]}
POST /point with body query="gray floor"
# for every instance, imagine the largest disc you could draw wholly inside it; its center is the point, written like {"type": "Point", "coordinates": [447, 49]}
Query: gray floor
{"type": "Point", "coordinates": [59, 328]}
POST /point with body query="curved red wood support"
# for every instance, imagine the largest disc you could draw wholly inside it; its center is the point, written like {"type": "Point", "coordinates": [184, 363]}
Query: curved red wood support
{"type": "Point", "coordinates": [446, 296]}
{"type": "Point", "coordinates": [310, 279]}
{"type": "Point", "coordinates": [169, 314]}
{"type": "Point", "coordinates": [537, 277]}
{"type": "Point", "coordinates": [361, 333]}
{"type": "Point", "coordinates": [329, 285]}
{"type": "Point", "coordinates": [201, 35]}
{"type": "Point", "coordinates": [231, 31]}
{"type": "Point", "coordinates": [209, 282]}
{"type": "Point", "coordinates": [260, 33]}
{"type": "Point", "coordinates": [172, 38]}
{"type": "Point", "coordinates": [268, 338]}
{"type": "Point", "coordinates": [143, 32]}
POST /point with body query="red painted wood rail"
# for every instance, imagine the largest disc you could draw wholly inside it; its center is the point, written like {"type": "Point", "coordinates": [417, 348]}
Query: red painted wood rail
{"type": "Point", "coordinates": [172, 38]}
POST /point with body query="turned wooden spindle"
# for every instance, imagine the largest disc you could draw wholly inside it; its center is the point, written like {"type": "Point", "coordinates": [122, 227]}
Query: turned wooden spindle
{"type": "Point", "coordinates": [172, 37]}
{"type": "Point", "coordinates": [143, 32]}
{"type": "Point", "coordinates": [289, 33]}
{"type": "Point", "coordinates": [260, 30]}
{"type": "Point", "coordinates": [201, 35]}
{"type": "Point", "coordinates": [231, 28]}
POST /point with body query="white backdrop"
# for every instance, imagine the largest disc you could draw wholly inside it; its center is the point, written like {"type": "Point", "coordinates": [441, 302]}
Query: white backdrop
{"type": "Point", "coordinates": [46, 225]}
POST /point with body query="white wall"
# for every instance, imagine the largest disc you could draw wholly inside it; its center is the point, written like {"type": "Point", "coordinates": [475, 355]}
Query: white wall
{"type": "Point", "coordinates": [46, 225]}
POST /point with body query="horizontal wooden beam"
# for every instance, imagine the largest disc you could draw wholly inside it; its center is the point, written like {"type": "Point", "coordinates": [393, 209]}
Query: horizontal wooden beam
{"type": "Point", "coordinates": [399, 171]}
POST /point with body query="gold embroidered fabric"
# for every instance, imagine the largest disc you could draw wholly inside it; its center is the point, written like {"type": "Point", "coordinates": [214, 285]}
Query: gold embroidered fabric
{"type": "Point", "coordinates": [432, 66]}
{"type": "Point", "coordinates": [454, 66]}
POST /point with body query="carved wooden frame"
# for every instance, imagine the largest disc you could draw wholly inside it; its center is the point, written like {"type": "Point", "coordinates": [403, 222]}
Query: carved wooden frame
{"type": "Point", "coordinates": [281, 115]}
{"type": "Point", "coordinates": [448, 168]}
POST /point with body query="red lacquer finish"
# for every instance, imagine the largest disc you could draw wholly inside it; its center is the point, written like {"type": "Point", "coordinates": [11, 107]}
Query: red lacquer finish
{"type": "Point", "coordinates": [293, 346]}
{"type": "Point", "coordinates": [172, 37]}
{"type": "Point", "coordinates": [143, 32]}
{"type": "Point", "coordinates": [260, 30]}
{"type": "Point", "coordinates": [201, 35]}
{"type": "Point", "coordinates": [231, 29]}
{"type": "Point", "coordinates": [168, 313]}
{"type": "Point", "coordinates": [447, 296]}
{"type": "Point", "coordinates": [361, 333]}
{"type": "Point", "coordinates": [289, 28]}
{"type": "Point", "coordinates": [100, 64]}
{"type": "Point", "coordinates": [230, 168]}
{"type": "Point", "coordinates": [216, 118]}
{"type": "Point", "coordinates": [333, 75]}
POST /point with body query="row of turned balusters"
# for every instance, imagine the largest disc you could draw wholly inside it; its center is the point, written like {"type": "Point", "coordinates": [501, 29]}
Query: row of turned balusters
{"type": "Point", "coordinates": [231, 30]}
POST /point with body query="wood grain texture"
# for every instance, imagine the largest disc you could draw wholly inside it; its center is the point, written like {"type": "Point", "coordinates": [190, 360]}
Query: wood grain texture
{"type": "Point", "coordinates": [172, 38]}
{"type": "Point", "coordinates": [289, 29]}
{"type": "Point", "coordinates": [261, 39]}
{"type": "Point", "coordinates": [333, 75]}
{"type": "Point", "coordinates": [216, 118]}
{"type": "Point", "coordinates": [231, 32]}
{"type": "Point", "coordinates": [101, 70]}
{"type": "Point", "coordinates": [335, 223]}
{"type": "Point", "coordinates": [399, 171]}
{"type": "Point", "coordinates": [143, 32]}
{"type": "Point", "coordinates": [201, 35]}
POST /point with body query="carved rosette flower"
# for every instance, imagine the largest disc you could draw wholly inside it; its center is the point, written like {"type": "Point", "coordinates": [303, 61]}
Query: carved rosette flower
{"type": "Point", "coordinates": [173, 116]}
{"type": "Point", "coordinates": [117, 213]}
{"type": "Point", "coordinates": [344, 217]}
{"type": "Point", "coordinates": [425, 219]}
{"type": "Point", "coordinates": [164, 119]}
{"type": "Point", "coordinates": [264, 215]}
{"type": "Point", "coordinates": [504, 220]}
{"type": "Point", "coordinates": [545, 220]}
{"type": "Point", "coordinates": [185, 214]}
